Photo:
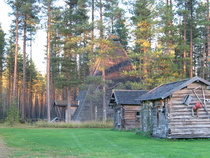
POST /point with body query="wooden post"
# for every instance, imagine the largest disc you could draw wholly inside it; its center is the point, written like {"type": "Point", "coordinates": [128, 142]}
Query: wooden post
{"type": "Point", "coordinates": [68, 108]}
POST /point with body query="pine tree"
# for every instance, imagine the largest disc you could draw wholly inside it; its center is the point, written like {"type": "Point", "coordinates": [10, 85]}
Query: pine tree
{"type": "Point", "coordinates": [29, 19]}
{"type": "Point", "coordinates": [2, 52]}
{"type": "Point", "coordinates": [9, 66]}
{"type": "Point", "coordinates": [144, 33]}
{"type": "Point", "coordinates": [48, 88]}
{"type": "Point", "coordinates": [74, 23]}
{"type": "Point", "coordinates": [48, 6]}
{"type": "Point", "coordinates": [182, 48]}
{"type": "Point", "coordinates": [122, 30]}
{"type": "Point", "coordinates": [15, 4]}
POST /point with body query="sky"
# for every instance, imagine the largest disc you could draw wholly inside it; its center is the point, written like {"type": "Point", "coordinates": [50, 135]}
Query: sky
{"type": "Point", "coordinates": [38, 51]}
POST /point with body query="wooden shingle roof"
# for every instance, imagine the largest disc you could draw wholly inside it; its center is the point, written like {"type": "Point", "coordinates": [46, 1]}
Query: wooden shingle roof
{"type": "Point", "coordinates": [127, 97]}
{"type": "Point", "coordinates": [165, 90]}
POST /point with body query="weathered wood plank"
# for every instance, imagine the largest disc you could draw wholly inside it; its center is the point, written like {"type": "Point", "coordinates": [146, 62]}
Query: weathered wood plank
{"type": "Point", "coordinates": [188, 113]}
{"type": "Point", "coordinates": [191, 131]}
{"type": "Point", "coordinates": [183, 124]}
{"type": "Point", "coordinates": [185, 117]}
{"type": "Point", "coordinates": [193, 126]}
{"type": "Point", "coordinates": [193, 119]}
{"type": "Point", "coordinates": [176, 136]}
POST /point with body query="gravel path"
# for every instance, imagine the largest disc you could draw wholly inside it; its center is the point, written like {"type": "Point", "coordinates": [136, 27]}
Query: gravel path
{"type": "Point", "coordinates": [5, 151]}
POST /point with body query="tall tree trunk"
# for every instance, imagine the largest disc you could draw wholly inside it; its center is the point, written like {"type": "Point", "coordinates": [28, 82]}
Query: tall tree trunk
{"type": "Point", "coordinates": [91, 103]}
{"type": "Point", "coordinates": [24, 73]}
{"type": "Point", "coordinates": [93, 26]}
{"type": "Point", "coordinates": [191, 40]}
{"type": "Point", "coordinates": [169, 23]}
{"type": "Point", "coordinates": [1, 69]}
{"type": "Point", "coordinates": [91, 72]}
{"type": "Point", "coordinates": [42, 104]}
{"type": "Point", "coordinates": [104, 93]}
{"type": "Point", "coordinates": [68, 110]}
{"type": "Point", "coordinates": [171, 31]}
{"type": "Point", "coordinates": [96, 113]}
{"type": "Point", "coordinates": [48, 61]}
{"type": "Point", "coordinates": [103, 64]}
{"type": "Point", "coordinates": [185, 42]}
{"type": "Point", "coordinates": [208, 42]}
{"type": "Point", "coordinates": [9, 88]}
{"type": "Point", "coordinates": [14, 93]}
{"type": "Point", "coordinates": [101, 19]}
{"type": "Point", "coordinates": [30, 86]}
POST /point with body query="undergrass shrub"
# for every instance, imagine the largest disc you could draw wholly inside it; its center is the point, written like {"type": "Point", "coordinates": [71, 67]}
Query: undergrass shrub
{"type": "Point", "coordinates": [75, 124]}
{"type": "Point", "coordinates": [126, 130]}
{"type": "Point", "coordinates": [13, 116]}
{"type": "Point", "coordinates": [145, 134]}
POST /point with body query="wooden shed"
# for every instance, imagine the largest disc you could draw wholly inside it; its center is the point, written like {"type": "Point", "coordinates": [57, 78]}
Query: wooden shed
{"type": "Point", "coordinates": [177, 110]}
{"type": "Point", "coordinates": [61, 108]}
{"type": "Point", "coordinates": [126, 109]}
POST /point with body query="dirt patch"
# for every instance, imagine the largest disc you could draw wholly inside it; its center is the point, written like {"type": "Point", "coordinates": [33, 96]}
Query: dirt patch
{"type": "Point", "coordinates": [5, 151]}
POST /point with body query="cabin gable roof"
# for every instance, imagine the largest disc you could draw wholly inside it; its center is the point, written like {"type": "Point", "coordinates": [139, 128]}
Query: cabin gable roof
{"type": "Point", "coordinates": [165, 90]}
{"type": "Point", "coordinates": [127, 97]}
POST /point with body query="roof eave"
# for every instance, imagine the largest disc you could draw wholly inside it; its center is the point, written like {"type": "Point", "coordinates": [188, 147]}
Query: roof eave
{"type": "Point", "coordinates": [185, 84]}
{"type": "Point", "coordinates": [115, 96]}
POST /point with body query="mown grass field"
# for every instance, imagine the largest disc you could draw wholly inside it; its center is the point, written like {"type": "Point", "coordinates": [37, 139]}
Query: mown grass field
{"type": "Point", "coordinates": [97, 143]}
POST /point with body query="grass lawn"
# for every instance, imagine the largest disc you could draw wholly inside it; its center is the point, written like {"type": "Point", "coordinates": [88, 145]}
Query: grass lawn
{"type": "Point", "coordinates": [98, 143]}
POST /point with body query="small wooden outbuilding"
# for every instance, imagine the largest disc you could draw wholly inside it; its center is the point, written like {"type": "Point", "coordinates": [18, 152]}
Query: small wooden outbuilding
{"type": "Point", "coordinates": [61, 108]}
{"type": "Point", "coordinates": [177, 110]}
{"type": "Point", "coordinates": [126, 109]}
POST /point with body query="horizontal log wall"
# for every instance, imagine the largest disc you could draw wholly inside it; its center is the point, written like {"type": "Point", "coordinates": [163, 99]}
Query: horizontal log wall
{"type": "Point", "coordinates": [130, 119]}
{"type": "Point", "coordinates": [181, 122]}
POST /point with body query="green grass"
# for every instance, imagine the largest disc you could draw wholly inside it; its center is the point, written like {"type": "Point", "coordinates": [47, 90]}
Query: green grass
{"type": "Point", "coordinates": [98, 143]}
{"type": "Point", "coordinates": [86, 124]}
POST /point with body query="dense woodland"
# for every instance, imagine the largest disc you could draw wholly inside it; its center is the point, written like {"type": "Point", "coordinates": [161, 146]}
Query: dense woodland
{"type": "Point", "coordinates": [166, 40]}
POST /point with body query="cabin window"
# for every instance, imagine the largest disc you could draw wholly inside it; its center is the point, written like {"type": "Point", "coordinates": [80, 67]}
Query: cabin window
{"type": "Point", "coordinates": [187, 100]}
{"type": "Point", "coordinates": [137, 114]}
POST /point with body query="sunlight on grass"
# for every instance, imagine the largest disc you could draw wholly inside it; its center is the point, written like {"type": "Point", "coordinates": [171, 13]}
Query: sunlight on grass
{"type": "Point", "coordinates": [86, 124]}
{"type": "Point", "coordinates": [98, 143]}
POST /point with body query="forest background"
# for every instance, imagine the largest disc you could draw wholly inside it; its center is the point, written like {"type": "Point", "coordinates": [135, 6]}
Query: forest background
{"type": "Point", "coordinates": [165, 40]}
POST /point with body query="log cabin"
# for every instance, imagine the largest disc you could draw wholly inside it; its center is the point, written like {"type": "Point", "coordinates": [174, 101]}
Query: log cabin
{"type": "Point", "coordinates": [126, 108]}
{"type": "Point", "coordinates": [177, 110]}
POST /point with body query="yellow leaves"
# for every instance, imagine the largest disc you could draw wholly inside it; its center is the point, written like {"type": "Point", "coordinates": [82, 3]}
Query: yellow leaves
{"type": "Point", "coordinates": [143, 31]}
{"type": "Point", "coordinates": [143, 24]}
{"type": "Point", "coordinates": [146, 44]}
{"type": "Point", "coordinates": [73, 40]}
{"type": "Point", "coordinates": [143, 43]}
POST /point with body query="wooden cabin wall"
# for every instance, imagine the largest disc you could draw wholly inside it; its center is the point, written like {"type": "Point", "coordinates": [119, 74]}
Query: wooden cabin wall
{"type": "Point", "coordinates": [131, 120]}
{"type": "Point", "coordinates": [182, 123]}
{"type": "Point", "coordinates": [125, 117]}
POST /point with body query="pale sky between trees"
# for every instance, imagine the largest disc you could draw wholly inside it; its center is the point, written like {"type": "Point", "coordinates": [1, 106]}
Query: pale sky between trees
{"type": "Point", "coordinates": [39, 43]}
